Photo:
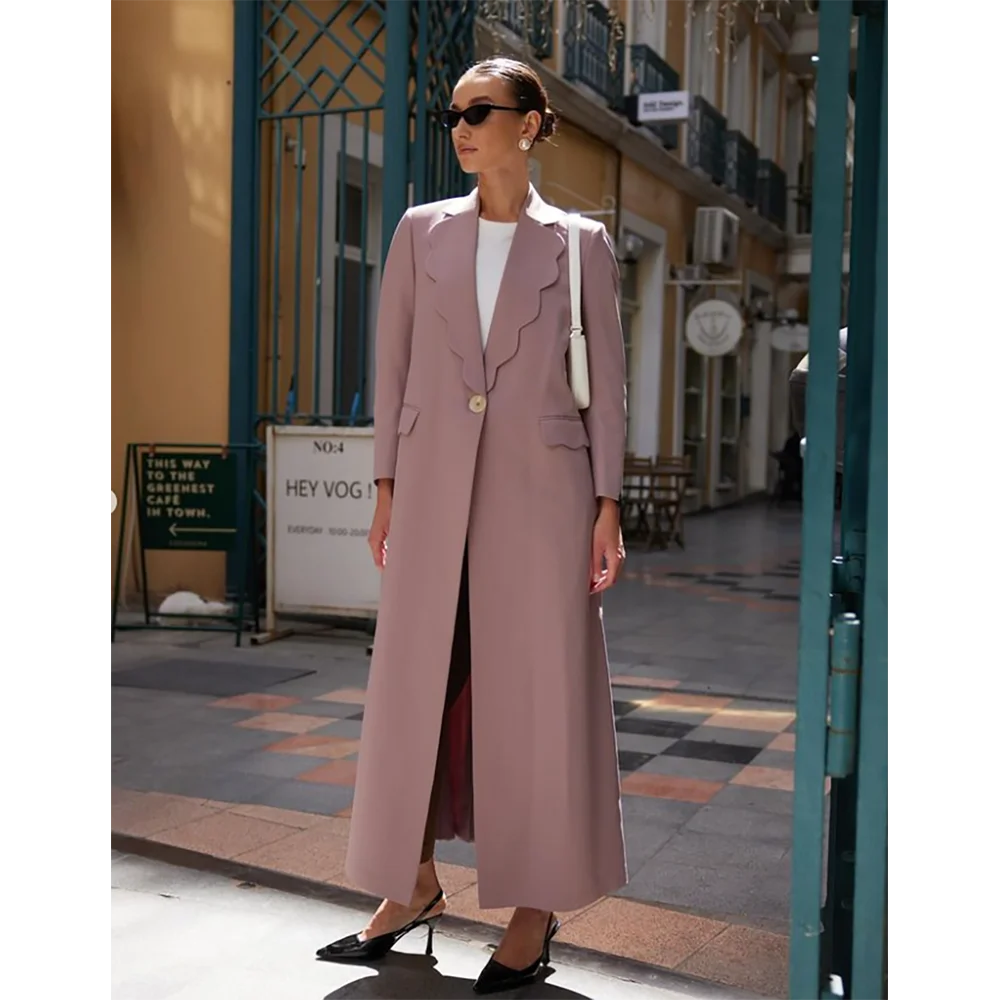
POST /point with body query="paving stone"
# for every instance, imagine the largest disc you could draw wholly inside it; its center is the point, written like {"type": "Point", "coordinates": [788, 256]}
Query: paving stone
{"type": "Point", "coordinates": [716, 849]}
{"type": "Point", "coordinates": [304, 796]}
{"type": "Point", "coordinates": [276, 765]}
{"type": "Point", "coordinates": [456, 852]}
{"type": "Point", "coordinates": [720, 891]}
{"type": "Point", "coordinates": [222, 785]}
{"type": "Point", "coordinates": [742, 823]}
{"type": "Point", "coordinates": [775, 758]}
{"type": "Point", "coordinates": [643, 744]}
{"type": "Point", "coordinates": [334, 709]}
{"type": "Point", "coordinates": [348, 729]}
{"type": "Point", "coordinates": [687, 767]}
{"type": "Point", "coordinates": [735, 737]}
{"type": "Point", "coordinates": [763, 799]}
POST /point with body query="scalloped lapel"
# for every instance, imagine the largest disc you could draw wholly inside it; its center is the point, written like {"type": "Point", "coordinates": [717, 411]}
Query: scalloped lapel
{"type": "Point", "coordinates": [533, 265]}
{"type": "Point", "coordinates": [451, 265]}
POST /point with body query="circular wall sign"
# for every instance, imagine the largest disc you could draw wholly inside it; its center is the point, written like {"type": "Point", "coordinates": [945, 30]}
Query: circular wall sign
{"type": "Point", "coordinates": [790, 338]}
{"type": "Point", "coordinates": [714, 327]}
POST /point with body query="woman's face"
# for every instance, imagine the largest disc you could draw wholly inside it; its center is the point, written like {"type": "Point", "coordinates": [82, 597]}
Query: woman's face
{"type": "Point", "coordinates": [493, 144]}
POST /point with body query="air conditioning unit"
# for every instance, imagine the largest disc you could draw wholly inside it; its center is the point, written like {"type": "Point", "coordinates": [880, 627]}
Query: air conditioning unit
{"type": "Point", "coordinates": [716, 239]}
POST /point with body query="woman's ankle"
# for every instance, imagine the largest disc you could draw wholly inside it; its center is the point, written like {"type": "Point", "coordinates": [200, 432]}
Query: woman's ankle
{"type": "Point", "coordinates": [427, 885]}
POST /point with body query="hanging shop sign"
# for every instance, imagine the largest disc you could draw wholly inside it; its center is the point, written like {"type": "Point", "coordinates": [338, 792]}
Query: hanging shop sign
{"type": "Point", "coordinates": [661, 106]}
{"type": "Point", "coordinates": [713, 327]}
{"type": "Point", "coordinates": [792, 338]}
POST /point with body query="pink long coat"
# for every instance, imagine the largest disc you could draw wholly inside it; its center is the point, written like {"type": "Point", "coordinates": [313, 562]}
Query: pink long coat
{"type": "Point", "coordinates": [491, 448]}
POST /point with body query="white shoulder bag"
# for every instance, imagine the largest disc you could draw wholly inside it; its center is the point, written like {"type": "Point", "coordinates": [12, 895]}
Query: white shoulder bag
{"type": "Point", "coordinates": [579, 374]}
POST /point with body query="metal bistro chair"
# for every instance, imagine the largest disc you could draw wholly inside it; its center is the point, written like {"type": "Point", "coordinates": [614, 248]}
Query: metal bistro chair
{"type": "Point", "coordinates": [668, 483]}
{"type": "Point", "coordinates": [635, 498]}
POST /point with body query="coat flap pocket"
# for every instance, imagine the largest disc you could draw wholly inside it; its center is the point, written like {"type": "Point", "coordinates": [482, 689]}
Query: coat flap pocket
{"type": "Point", "coordinates": [407, 418]}
{"type": "Point", "coordinates": [569, 432]}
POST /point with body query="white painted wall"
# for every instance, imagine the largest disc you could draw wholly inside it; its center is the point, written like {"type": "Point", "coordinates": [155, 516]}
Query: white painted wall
{"type": "Point", "coordinates": [647, 336]}
{"type": "Point", "coordinates": [760, 407]}
{"type": "Point", "coordinates": [759, 424]}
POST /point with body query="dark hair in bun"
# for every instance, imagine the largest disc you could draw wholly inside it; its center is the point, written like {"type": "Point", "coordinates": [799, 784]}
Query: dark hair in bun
{"type": "Point", "coordinates": [527, 87]}
{"type": "Point", "coordinates": [548, 127]}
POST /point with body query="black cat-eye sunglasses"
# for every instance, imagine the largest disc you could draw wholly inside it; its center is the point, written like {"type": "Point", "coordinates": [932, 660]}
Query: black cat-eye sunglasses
{"type": "Point", "coordinates": [474, 114]}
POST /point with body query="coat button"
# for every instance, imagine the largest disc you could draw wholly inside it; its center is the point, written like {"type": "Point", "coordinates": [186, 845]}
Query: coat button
{"type": "Point", "coordinates": [477, 403]}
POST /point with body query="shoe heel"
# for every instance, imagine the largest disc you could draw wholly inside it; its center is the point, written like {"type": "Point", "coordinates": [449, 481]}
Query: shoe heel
{"type": "Point", "coordinates": [431, 924]}
{"type": "Point", "coordinates": [553, 931]}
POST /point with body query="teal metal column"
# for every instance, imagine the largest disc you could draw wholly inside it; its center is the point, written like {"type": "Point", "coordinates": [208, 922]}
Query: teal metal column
{"type": "Point", "coordinates": [864, 213]}
{"type": "Point", "coordinates": [818, 498]}
{"type": "Point", "coordinates": [243, 251]}
{"type": "Point", "coordinates": [396, 173]}
{"type": "Point", "coordinates": [840, 911]}
{"type": "Point", "coordinates": [419, 164]}
{"type": "Point", "coordinates": [870, 894]}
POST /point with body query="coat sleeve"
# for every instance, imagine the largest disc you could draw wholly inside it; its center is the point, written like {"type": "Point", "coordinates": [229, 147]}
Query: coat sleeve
{"type": "Point", "coordinates": [602, 325]}
{"type": "Point", "coordinates": [393, 336]}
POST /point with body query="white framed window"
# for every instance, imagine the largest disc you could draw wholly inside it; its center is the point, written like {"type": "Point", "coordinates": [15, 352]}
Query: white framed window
{"type": "Point", "coordinates": [630, 306]}
{"type": "Point", "coordinates": [739, 92]}
{"type": "Point", "coordinates": [649, 18]}
{"type": "Point", "coordinates": [351, 270]}
{"type": "Point", "coordinates": [767, 105]}
{"type": "Point", "coordinates": [702, 41]}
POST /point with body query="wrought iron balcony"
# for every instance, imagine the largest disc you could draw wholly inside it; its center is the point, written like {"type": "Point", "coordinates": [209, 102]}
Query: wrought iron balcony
{"type": "Point", "coordinates": [800, 204]}
{"type": "Point", "coordinates": [528, 19]}
{"type": "Point", "coordinates": [651, 75]}
{"type": "Point", "coordinates": [741, 166]}
{"type": "Point", "coordinates": [595, 51]}
{"type": "Point", "coordinates": [772, 196]}
{"type": "Point", "coordinates": [706, 139]}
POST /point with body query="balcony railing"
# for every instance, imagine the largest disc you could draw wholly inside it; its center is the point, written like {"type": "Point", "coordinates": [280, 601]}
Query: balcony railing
{"type": "Point", "coordinates": [772, 192]}
{"type": "Point", "coordinates": [528, 19]}
{"type": "Point", "coordinates": [594, 54]}
{"type": "Point", "coordinates": [741, 166]}
{"type": "Point", "coordinates": [651, 75]}
{"type": "Point", "coordinates": [800, 203]}
{"type": "Point", "coordinates": [706, 147]}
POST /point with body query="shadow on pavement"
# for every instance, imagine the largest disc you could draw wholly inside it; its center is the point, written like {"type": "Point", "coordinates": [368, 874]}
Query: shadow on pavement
{"type": "Point", "coordinates": [414, 977]}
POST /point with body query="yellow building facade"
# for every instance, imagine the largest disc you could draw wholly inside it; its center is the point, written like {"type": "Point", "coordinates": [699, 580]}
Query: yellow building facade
{"type": "Point", "coordinates": [323, 184]}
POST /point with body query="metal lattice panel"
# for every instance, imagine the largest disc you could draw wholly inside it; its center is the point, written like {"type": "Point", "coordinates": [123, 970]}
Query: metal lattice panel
{"type": "Point", "coordinates": [444, 47]}
{"type": "Point", "coordinates": [312, 64]}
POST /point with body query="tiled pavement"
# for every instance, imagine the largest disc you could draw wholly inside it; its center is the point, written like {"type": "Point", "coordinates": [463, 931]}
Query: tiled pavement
{"type": "Point", "coordinates": [703, 682]}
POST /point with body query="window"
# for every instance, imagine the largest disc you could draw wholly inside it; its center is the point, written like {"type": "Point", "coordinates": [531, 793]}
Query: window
{"type": "Point", "coordinates": [650, 19]}
{"type": "Point", "coordinates": [739, 91]}
{"type": "Point", "coordinates": [351, 246]}
{"type": "Point", "coordinates": [702, 37]}
{"type": "Point", "coordinates": [767, 114]}
{"type": "Point", "coordinates": [629, 309]}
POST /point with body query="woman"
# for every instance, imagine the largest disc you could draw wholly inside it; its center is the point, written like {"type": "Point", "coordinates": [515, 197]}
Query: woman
{"type": "Point", "coordinates": [497, 528]}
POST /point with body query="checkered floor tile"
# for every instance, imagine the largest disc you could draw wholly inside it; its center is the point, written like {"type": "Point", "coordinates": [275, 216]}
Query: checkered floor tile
{"type": "Point", "coordinates": [695, 744]}
{"type": "Point", "coordinates": [700, 739]}
{"type": "Point", "coordinates": [777, 584]}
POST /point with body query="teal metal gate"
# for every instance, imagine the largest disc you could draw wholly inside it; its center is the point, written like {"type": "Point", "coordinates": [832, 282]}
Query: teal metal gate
{"type": "Point", "coordinates": [332, 140]}
{"type": "Point", "coordinates": [341, 92]}
{"type": "Point", "coordinates": [839, 889]}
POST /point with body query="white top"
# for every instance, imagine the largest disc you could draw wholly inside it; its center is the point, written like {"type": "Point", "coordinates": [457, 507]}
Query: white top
{"type": "Point", "coordinates": [492, 251]}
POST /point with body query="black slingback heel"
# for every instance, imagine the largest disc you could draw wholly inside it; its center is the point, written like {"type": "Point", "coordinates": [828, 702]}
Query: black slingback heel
{"type": "Point", "coordinates": [496, 977]}
{"type": "Point", "coordinates": [353, 949]}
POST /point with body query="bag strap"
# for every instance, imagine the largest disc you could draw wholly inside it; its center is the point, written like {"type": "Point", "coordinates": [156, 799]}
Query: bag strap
{"type": "Point", "coordinates": [573, 231]}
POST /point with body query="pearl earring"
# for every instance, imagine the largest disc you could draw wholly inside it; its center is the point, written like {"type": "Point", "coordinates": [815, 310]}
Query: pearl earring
{"type": "Point", "coordinates": [524, 145]}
